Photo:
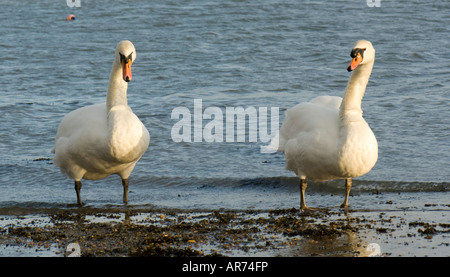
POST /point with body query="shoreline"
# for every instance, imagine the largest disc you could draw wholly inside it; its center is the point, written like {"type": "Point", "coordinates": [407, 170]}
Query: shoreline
{"type": "Point", "coordinates": [159, 232]}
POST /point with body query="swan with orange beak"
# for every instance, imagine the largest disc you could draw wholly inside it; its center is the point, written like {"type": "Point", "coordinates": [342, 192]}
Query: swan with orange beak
{"type": "Point", "coordinates": [96, 141]}
{"type": "Point", "coordinates": [327, 138]}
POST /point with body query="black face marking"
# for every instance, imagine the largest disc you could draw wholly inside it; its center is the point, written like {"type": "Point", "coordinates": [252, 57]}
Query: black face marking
{"type": "Point", "coordinates": [356, 51]}
{"type": "Point", "coordinates": [126, 59]}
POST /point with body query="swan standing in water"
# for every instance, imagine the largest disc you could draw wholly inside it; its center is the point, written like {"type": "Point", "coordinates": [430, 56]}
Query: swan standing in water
{"type": "Point", "coordinates": [96, 141]}
{"type": "Point", "coordinates": [328, 138]}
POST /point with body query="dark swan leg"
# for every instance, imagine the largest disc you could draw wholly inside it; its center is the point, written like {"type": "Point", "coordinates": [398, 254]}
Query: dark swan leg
{"type": "Point", "coordinates": [125, 183]}
{"type": "Point", "coordinates": [77, 189]}
{"type": "Point", "coordinates": [348, 187]}
{"type": "Point", "coordinates": [303, 186]}
{"type": "Point", "coordinates": [303, 207]}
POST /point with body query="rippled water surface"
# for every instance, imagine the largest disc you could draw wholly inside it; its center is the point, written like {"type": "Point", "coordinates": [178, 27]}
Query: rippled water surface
{"type": "Point", "coordinates": [228, 54]}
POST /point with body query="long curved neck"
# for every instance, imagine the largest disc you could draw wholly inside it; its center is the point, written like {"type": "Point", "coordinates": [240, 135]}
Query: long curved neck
{"type": "Point", "coordinates": [355, 90]}
{"type": "Point", "coordinates": [117, 89]}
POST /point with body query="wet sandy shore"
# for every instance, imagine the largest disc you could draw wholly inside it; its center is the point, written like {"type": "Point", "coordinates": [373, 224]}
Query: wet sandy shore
{"type": "Point", "coordinates": [148, 232]}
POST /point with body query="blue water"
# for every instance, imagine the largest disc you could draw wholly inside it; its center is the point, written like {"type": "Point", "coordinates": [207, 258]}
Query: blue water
{"type": "Point", "coordinates": [229, 54]}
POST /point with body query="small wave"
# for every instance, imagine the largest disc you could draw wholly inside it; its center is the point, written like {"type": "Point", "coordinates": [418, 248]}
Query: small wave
{"type": "Point", "coordinates": [291, 183]}
{"type": "Point", "coordinates": [358, 186]}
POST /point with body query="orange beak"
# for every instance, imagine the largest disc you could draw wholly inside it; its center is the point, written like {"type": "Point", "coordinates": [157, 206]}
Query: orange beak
{"type": "Point", "coordinates": [126, 70]}
{"type": "Point", "coordinates": [355, 62]}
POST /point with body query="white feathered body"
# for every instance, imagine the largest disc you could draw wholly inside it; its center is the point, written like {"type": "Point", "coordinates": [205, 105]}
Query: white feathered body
{"type": "Point", "coordinates": [93, 144]}
{"type": "Point", "coordinates": [319, 145]}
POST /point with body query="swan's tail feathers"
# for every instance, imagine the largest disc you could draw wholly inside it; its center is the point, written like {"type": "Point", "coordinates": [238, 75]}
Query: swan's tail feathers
{"type": "Point", "coordinates": [273, 147]}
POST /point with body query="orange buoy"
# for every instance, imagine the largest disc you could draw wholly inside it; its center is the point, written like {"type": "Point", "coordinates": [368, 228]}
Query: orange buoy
{"type": "Point", "coordinates": [70, 17]}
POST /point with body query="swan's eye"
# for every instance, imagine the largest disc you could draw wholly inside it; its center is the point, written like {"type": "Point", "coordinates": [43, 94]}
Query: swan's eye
{"type": "Point", "coordinates": [357, 51]}
{"type": "Point", "coordinates": [126, 59]}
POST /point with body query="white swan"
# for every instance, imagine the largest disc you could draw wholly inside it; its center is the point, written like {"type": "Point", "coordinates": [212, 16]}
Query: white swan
{"type": "Point", "coordinates": [96, 141]}
{"type": "Point", "coordinates": [328, 138]}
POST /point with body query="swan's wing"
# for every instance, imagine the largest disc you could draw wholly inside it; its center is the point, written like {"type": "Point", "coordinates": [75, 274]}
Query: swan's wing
{"type": "Point", "coordinates": [80, 128]}
{"type": "Point", "coordinates": [319, 115]}
{"type": "Point", "coordinates": [76, 121]}
{"type": "Point", "coordinates": [332, 102]}
{"type": "Point", "coordinates": [309, 136]}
